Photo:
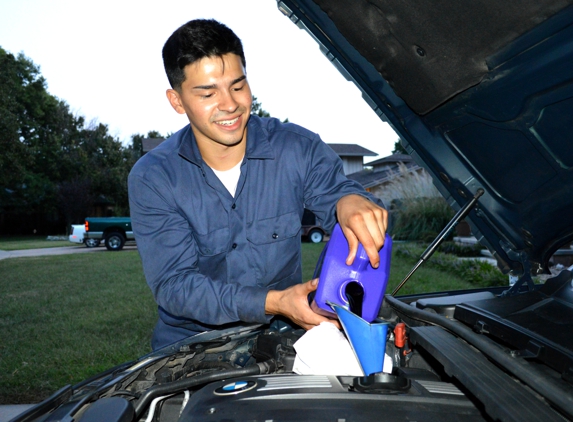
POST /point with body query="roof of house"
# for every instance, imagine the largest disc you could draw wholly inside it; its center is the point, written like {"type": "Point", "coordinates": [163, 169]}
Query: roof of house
{"type": "Point", "coordinates": [391, 159]}
{"type": "Point", "coordinates": [384, 170]}
{"type": "Point", "coordinates": [149, 143]}
{"type": "Point", "coordinates": [351, 150]}
{"type": "Point", "coordinates": [369, 178]}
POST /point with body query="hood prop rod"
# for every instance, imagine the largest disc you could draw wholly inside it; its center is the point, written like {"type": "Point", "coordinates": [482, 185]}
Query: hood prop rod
{"type": "Point", "coordinates": [463, 212]}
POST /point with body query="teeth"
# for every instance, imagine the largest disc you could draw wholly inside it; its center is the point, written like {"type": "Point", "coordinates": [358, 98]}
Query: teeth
{"type": "Point", "coordinates": [227, 122]}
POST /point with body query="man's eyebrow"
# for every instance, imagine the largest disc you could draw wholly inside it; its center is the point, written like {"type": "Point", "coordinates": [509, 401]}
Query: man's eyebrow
{"type": "Point", "coordinates": [205, 86]}
{"type": "Point", "coordinates": [213, 86]}
{"type": "Point", "coordinates": [239, 79]}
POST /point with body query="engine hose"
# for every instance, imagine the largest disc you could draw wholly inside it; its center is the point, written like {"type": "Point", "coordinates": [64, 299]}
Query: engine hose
{"type": "Point", "coordinates": [187, 383]}
{"type": "Point", "coordinates": [520, 368]}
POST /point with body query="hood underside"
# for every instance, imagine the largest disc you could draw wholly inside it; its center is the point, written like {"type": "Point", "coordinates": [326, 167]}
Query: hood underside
{"type": "Point", "coordinates": [481, 94]}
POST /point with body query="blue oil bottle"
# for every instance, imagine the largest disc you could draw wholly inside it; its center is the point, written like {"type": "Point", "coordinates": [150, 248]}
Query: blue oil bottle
{"type": "Point", "coordinates": [358, 287]}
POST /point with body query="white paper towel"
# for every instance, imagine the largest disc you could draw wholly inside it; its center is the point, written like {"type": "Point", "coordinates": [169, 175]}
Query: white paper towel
{"type": "Point", "coordinates": [325, 350]}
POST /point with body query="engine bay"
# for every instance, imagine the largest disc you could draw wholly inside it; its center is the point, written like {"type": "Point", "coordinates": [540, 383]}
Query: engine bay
{"type": "Point", "coordinates": [443, 369]}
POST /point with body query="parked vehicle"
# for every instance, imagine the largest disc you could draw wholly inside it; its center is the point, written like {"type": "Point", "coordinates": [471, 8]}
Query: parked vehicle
{"type": "Point", "coordinates": [311, 231]}
{"type": "Point", "coordinates": [481, 94]}
{"type": "Point", "coordinates": [92, 243]}
{"type": "Point", "coordinates": [77, 233]}
{"type": "Point", "coordinates": [113, 231]}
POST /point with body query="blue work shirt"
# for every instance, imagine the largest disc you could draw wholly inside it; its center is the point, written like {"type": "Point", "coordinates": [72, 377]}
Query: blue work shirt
{"type": "Point", "coordinates": [210, 258]}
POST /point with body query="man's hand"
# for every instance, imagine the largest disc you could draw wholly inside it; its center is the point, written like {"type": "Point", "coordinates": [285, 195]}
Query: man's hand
{"type": "Point", "coordinates": [362, 221]}
{"type": "Point", "coordinates": [293, 304]}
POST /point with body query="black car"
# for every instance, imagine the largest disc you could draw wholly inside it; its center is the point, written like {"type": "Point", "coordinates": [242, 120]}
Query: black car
{"type": "Point", "coordinates": [481, 93]}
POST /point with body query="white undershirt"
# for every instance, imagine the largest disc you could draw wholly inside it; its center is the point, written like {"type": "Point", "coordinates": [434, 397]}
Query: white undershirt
{"type": "Point", "coordinates": [230, 178]}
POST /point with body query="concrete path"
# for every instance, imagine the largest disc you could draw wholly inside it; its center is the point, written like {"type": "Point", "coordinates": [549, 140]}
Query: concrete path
{"type": "Point", "coordinates": [10, 411]}
{"type": "Point", "coordinates": [57, 251]}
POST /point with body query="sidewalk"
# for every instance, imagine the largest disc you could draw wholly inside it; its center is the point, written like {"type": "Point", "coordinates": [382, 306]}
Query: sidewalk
{"type": "Point", "coordinates": [63, 250]}
{"type": "Point", "coordinates": [10, 411]}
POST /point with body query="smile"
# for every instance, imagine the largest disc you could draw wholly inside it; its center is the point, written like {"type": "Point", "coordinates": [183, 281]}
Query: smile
{"type": "Point", "coordinates": [227, 122]}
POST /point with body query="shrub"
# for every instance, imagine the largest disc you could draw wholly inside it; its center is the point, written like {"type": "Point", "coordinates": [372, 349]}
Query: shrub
{"type": "Point", "coordinates": [477, 272]}
{"type": "Point", "coordinates": [420, 219]}
{"type": "Point", "coordinates": [408, 183]}
{"type": "Point", "coordinates": [454, 248]}
{"type": "Point", "coordinates": [418, 210]}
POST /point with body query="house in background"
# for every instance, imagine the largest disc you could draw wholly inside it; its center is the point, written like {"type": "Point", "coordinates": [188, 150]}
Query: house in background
{"type": "Point", "coordinates": [149, 143]}
{"type": "Point", "coordinates": [380, 172]}
{"type": "Point", "coordinates": [352, 156]}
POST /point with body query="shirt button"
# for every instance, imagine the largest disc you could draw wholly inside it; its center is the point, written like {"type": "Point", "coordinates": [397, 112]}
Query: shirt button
{"type": "Point", "coordinates": [234, 206]}
{"type": "Point", "coordinates": [275, 236]}
{"type": "Point", "coordinates": [234, 246]}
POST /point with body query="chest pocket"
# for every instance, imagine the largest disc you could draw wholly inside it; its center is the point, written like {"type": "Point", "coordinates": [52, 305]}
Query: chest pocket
{"type": "Point", "coordinates": [275, 229]}
{"type": "Point", "coordinates": [212, 243]}
{"type": "Point", "coordinates": [275, 247]}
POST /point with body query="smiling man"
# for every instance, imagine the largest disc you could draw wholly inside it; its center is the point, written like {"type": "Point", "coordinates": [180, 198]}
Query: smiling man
{"type": "Point", "coordinates": [216, 208]}
{"type": "Point", "coordinates": [216, 98]}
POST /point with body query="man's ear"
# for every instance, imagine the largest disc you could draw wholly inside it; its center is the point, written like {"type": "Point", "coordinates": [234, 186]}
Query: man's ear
{"type": "Point", "coordinates": [175, 101]}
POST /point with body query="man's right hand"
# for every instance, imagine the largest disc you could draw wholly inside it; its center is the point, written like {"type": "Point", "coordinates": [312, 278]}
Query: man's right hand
{"type": "Point", "coordinates": [293, 304]}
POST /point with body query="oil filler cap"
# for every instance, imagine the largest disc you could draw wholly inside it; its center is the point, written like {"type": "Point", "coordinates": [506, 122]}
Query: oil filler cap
{"type": "Point", "coordinates": [381, 382]}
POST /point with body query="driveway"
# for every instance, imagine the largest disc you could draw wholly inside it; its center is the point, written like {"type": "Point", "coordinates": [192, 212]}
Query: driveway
{"type": "Point", "coordinates": [57, 251]}
{"type": "Point", "coordinates": [10, 411]}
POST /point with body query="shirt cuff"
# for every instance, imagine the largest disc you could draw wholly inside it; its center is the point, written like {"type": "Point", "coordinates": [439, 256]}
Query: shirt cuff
{"type": "Point", "coordinates": [251, 305]}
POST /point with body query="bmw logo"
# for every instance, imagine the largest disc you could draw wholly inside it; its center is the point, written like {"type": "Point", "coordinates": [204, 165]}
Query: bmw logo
{"type": "Point", "coordinates": [235, 388]}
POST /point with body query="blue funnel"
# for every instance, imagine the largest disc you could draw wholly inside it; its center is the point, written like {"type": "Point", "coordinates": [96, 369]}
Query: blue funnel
{"type": "Point", "coordinates": [368, 340]}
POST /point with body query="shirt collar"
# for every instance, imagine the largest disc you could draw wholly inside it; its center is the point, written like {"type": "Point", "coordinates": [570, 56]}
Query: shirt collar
{"type": "Point", "coordinates": [258, 145]}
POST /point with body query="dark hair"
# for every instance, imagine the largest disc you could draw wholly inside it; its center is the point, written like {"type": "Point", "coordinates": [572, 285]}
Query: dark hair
{"type": "Point", "coordinates": [194, 41]}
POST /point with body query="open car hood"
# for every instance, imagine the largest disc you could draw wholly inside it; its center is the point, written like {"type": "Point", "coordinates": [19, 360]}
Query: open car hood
{"type": "Point", "coordinates": [481, 94]}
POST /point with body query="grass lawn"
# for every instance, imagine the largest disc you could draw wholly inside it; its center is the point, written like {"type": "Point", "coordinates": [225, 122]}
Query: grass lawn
{"type": "Point", "coordinates": [64, 318]}
{"type": "Point", "coordinates": [426, 279]}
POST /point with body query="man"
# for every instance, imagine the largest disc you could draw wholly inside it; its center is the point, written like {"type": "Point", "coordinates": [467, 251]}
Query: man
{"type": "Point", "coordinates": [216, 208]}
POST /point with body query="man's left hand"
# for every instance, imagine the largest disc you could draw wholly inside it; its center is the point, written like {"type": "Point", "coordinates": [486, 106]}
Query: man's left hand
{"type": "Point", "coordinates": [362, 221]}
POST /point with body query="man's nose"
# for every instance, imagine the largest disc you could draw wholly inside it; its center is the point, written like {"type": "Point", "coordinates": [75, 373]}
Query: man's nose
{"type": "Point", "coordinates": [228, 102]}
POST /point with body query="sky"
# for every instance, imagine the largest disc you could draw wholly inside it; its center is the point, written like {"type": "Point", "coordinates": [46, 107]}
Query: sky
{"type": "Point", "coordinates": [103, 58]}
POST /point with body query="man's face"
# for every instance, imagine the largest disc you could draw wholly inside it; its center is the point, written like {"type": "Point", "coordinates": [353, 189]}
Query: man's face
{"type": "Point", "coordinates": [216, 98]}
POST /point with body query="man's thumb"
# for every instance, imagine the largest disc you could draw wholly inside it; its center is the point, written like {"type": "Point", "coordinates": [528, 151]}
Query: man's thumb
{"type": "Point", "coordinates": [312, 284]}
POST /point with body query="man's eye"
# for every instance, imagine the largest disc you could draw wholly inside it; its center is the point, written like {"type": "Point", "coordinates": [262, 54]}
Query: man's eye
{"type": "Point", "coordinates": [206, 96]}
{"type": "Point", "coordinates": [238, 88]}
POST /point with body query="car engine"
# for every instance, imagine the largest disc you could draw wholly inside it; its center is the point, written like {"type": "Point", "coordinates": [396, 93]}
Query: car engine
{"type": "Point", "coordinates": [443, 370]}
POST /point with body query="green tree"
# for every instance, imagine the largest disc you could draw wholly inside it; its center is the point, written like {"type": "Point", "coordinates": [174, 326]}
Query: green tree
{"type": "Point", "coordinates": [14, 157]}
{"type": "Point", "coordinates": [257, 109]}
{"type": "Point", "coordinates": [75, 200]}
{"type": "Point", "coordinates": [52, 163]}
{"type": "Point", "coordinates": [136, 146]}
{"type": "Point", "coordinates": [398, 148]}
{"type": "Point", "coordinates": [31, 129]}
{"type": "Point", "coordinates": [107, 166]}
